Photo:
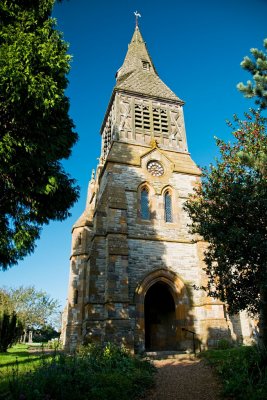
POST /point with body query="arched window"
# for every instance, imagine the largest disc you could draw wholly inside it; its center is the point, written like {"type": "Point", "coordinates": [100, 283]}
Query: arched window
{"type": "Point", "coordinates": [145, 214]}
{"type": "Point", "coordinates": [168, 207]}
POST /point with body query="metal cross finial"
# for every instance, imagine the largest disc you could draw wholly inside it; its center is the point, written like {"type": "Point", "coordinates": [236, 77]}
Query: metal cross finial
{"type": "Point", "coordinates": [137, 15]}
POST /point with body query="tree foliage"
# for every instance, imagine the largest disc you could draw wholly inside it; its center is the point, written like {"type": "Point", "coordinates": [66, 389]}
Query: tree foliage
{"type": "Point", "coordinates": [258, 68]}
{"type": "Point", "coordinates": [34, 308]}
{"type": "Point", "coordinates": [45, 334]}
{"type": "Point", "coordinates": [36, 132]}
{"type": "Point", "coordinates": [229, 211]}
{"type": "Point", "coordinates": [10, 330]}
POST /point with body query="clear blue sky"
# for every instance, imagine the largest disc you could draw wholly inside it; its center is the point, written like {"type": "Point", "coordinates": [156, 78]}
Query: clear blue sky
{"type": "Point", "coordinates": [196, 46]}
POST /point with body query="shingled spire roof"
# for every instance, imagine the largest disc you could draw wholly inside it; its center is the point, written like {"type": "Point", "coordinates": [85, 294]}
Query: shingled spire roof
{"type": "Point", "coordinates": [138, 73]}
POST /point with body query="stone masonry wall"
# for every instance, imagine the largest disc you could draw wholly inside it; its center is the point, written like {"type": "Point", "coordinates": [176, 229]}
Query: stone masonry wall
{"type": "Point", "coordinates": [123, 250]}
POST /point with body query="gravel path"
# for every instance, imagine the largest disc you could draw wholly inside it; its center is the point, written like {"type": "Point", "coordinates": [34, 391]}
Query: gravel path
{"type": "Point", "coordinates": [184, 380]}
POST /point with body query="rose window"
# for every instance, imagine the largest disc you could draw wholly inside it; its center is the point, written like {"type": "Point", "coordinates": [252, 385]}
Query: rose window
{"type": "Point", "coordinates": [155, 168]}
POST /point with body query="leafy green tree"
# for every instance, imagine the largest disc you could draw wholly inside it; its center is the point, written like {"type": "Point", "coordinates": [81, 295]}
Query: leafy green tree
{"type": "Point", "coordinates": [36, 132]}
{"type": "Point", "coordinates": [229, 211]}
{"type": "Point", "coordinates": [10, 330]}
{"type": "Point", "coordinates": [258, 68]}
{"type": "Point", "coordinates": [5, 302]}
{"type": "Point", "coordinates": [34, 308]}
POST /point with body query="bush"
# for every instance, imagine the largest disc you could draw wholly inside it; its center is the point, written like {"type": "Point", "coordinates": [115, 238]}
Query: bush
{"type": "Point", "coordinates": [243, 371]}
{"type": "Point", "coordinates": [44, 334]}
{"type": "Point", "coordinates": [54, 344]}
{"type": "Point", "coordinates": [94, 373]}
{"type": "Point", "coordinates": [224, 344]}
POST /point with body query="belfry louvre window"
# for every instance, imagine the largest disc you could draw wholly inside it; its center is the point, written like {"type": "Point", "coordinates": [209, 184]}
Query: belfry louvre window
{"type": "Point", "coordinates": [142, 117]}
{"type": "Point", "coordinates": [160, 120]}
{"type": "Point", "coordinates": [168, 207]}
{"type": "Point", "coordinates": [145, 214]}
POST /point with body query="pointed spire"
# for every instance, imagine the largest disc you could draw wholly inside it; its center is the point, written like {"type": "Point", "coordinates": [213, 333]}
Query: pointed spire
{"type": "Point", "coordinates": [138, 74]}
{"type": "Point", "coordinates": [137, 54]}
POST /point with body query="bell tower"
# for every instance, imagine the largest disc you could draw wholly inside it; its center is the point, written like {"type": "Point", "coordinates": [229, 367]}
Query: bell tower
{"type": "Point", "coordinates": [133, 262]}
{"type": "Point", "coordinates": [142, 108]}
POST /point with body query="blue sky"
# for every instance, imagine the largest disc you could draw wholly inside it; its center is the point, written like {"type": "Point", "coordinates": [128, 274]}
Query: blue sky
{"type": "Point", "coordinates": [196, 46]}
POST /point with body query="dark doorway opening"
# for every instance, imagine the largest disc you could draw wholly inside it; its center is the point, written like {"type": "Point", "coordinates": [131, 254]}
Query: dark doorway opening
{"type": "Point", "coordinates": [160, 327]}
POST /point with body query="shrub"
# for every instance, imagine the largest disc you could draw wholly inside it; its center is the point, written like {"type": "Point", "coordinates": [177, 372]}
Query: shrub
{"type": "Point", "coordinates": [54, 344]}
{"type": "Point", "coordinates": [243, 371]}
{"type": "Point", "coordinates": [95, 373]}
{"type": "Point", "coordinates": [224, 344]}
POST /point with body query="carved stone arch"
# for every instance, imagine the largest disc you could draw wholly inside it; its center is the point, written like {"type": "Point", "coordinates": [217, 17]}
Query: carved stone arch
{"type": "Point", "coordinates": [168, 188]}
{"type": "Point", "coordinates": [174, 284]}
{"type": "Point", "coordinates": [147, 185]}
{"type": "Point", "coordinates": [164, 274]}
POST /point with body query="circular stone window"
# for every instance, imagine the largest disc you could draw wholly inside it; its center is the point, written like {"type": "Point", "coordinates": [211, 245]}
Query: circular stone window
{"type": "Point", "coordinates": [155, 168]}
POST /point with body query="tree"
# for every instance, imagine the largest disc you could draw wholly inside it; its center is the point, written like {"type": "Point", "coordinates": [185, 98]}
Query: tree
{"type": "Point", "coordinates": [5, 302]}
{"type": "Point", "coordinates": [229, 211]}
{"type": "Point", "coordinates": [45, 334]}
{"type": "Point", "coordinates": [33, 308]}
{"type": "Point", "coordinates": [36, 132]}
{"type": "Point", "coordinates": [10, 330]}
{"type": "Point", "coordinates": [258, 69]}
{"type": "Point", "coordinates": [258, 89]}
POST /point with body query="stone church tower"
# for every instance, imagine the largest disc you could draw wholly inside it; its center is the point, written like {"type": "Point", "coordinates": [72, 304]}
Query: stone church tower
{"type": "Point", "coordinates": [133, 262]}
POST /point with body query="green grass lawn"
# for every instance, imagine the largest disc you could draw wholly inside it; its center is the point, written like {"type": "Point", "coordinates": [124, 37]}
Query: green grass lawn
{"type": "Point", "coordinates": [19, 360]}
{"type": "Point", "coordinates": [20, 356]}
{"type": "Point", "coordinates": [18, 353]}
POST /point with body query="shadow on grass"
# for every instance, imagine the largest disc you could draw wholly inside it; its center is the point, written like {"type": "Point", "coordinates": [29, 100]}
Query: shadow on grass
{"type": "Point", "coordinates": [29, 359]}
{"type": "Point", "coordinates": [15, 354]}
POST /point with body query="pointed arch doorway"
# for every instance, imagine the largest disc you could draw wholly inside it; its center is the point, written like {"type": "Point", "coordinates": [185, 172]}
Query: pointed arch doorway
{"type": "Point", "coordinates": [160, 319]}
{"type": "Point", "coordinates": [161, 312]}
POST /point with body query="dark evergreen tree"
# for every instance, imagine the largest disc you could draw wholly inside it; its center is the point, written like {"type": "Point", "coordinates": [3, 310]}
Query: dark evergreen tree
{"type": "Point", "coordinates": [36, 132]}
{"type": "Point", "coordinates": [257, 89]}
{"type": "Point", "coordinates": [10, 330]}
{"type": "Point", "coordinates": [258, 69]}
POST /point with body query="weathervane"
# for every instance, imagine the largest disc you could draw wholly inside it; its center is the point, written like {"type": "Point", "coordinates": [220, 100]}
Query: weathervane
{"type": "Point", "coordinates": [137, 15]}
